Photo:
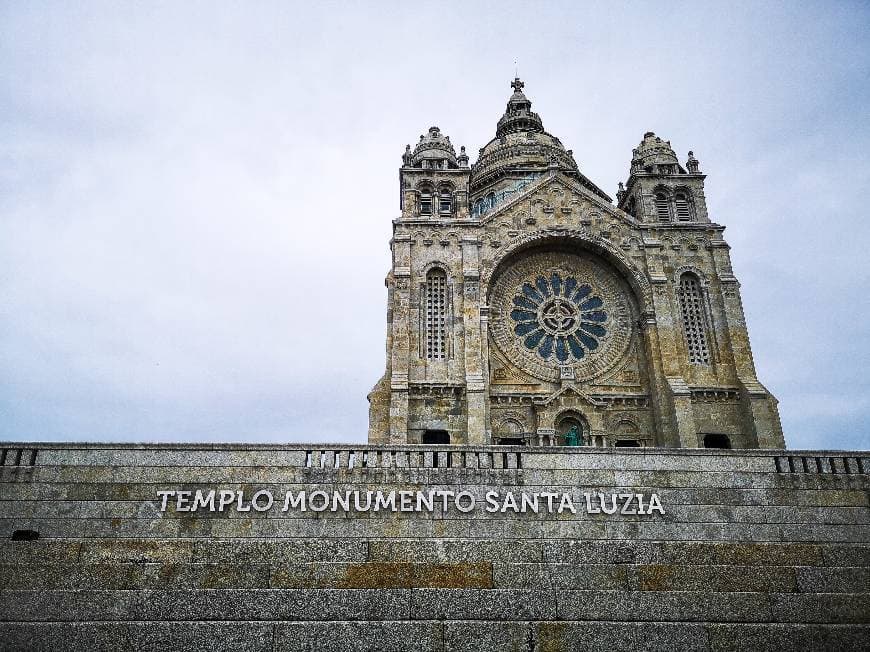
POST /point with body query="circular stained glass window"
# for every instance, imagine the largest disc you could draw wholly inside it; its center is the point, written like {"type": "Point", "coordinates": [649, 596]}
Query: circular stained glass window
{"type": "Point", "coordinates": [559, 317]}
{"type": "Point", "coordinates": [554, 310]}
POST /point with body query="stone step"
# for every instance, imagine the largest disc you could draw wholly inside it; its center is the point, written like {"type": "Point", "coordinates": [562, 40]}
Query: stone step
{"type": "Point", "coordinates": [542, 576]}
{"type": "Point", "coordinates": [304, 550]}
{"type": "Point", "coordinates": [428, 636]}
{"type": "Point", "coordinates": [431, 604]}
{"type": "Point", "coordinates": [168, 528]}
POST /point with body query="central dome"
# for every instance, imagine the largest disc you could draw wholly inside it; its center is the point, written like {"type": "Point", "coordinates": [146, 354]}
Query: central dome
{"type": "Point", "coordinates": [521, 151]}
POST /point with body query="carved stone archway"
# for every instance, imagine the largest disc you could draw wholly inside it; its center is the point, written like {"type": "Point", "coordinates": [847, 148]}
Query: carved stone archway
{"type": "Point", "coordinates": [578, 240]}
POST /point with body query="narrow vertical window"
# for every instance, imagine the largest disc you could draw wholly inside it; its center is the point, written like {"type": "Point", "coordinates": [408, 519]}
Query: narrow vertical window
{"type": "Point", "coordinates": [684, 213]}
{"type": "Point", "coordinates": [436, 315]}
{"type": "Point", "coordinates": [445, 201]}
{"type": "Point", "coordinates": [426, 201]}
{"type": "Point", "coordinates": [663, 208]}
{"type": "Point", "coordinates": [693, 309]}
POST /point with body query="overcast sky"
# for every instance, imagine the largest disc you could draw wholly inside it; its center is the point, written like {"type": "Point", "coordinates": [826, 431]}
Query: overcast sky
{"type": "Point", "coordinates": [195, 198]}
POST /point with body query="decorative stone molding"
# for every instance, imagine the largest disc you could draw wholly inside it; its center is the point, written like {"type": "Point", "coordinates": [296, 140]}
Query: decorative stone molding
{"type": "Point", "coordinates": [584, 240]}
{"type": "Point", "coordinates": [692, 269]}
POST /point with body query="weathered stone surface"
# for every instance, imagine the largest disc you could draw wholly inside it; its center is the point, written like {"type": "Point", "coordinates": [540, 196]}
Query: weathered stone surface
{"type": "Point", "coordinates": [777, 637]}
{"type": "Point", "coordinates": [821, 608]}
{"type": "Point", "coordinates": [39, 577]}
{"type": "Point", "coordinates": [667, 577]}
{"type": "Point", "coordinates": [168, 455]}
{"type": "Point", "coordinates": [599, 552]}
{"type": "Point", "coordinates": [35, 552]}
{"type": "Point", "coordinates": [226, 604]}
{"type": "Point", "coordinates": [620, 636]}
{"type": "Point", "coordinates": [437, 550]}
{"type": "Point", "coordinates": [494, 604]}
{"type": "Point", "coordinates": [462, 636]}
{"type": "Point", "coordinates": [846, 555]}
{"type": "Point", "coordinates": [375, 575]}
{"type": "Point", "coordinates": [663, 606]}
{"type": "Point", "coordinates": [387, 636]}
{"type": "Point", "coordinates": [294, 551]}
{"type": "Point", "coordinates": [849, 579]}
{"type": "Point", "coordinates": [772, 557]}
{"type": "Point", "coordinates": [159, 637]}
{"type": "Point", "coordinates": [136, 551]}
{"type": "Point", "coordinates": [560, 576]}
{"type": "Point", "coordinates": [742, 554]}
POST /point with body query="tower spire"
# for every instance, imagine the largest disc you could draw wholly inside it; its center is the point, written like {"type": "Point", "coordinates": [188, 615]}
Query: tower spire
{"type": "Point", "coordinates": [518, 115]}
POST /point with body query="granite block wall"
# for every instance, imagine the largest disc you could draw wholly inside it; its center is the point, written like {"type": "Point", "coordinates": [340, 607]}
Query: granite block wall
{"type": "Point", "coordinates": [755, 550]}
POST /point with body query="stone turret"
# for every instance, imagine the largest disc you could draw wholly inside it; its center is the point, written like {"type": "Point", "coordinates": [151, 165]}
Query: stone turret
{"type": "Point", "coordinates": [434, 180]}
{"type": "Point", "coordinates": [433, 152]}
{"type": "Point", "coordinates": [659, 189]}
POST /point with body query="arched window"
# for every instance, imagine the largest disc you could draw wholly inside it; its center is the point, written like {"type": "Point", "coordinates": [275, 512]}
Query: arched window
{"type": "Point", "coordinates": [684, 209]}
{"type": "Point", "coordinates": [663, 207]}
{"type": "Point", "coordinates": [445, 201]}
{"type": "Point", "coordinates": [490, 200]}
{"type": "Point", "coordinates": [572, 420]}
{"type": "Point", "coordinates": [694, 314]}
{"type": "Point", "coordinates": [425, 200]}
{"type": "Point", "coordinates": [436, 315]}
{"type": "Point", "coordinates": [510, 428]}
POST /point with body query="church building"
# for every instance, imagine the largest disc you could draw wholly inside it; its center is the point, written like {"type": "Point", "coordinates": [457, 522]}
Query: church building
{"type": "Point", "coordinates": [525, 307]}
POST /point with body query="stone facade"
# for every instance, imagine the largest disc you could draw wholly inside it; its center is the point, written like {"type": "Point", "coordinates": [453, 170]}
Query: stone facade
{"type": "Point", "coordinates": [755, 550]}
{"type": "Point", "coordinates": [522, 302]}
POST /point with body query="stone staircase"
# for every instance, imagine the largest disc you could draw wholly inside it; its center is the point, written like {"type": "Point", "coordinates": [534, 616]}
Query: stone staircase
{"type": "Point", "coordinates": [757, 550]}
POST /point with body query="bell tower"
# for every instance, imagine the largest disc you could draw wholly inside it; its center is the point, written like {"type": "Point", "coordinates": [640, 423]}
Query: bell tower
{"type": "Point", "coordinates": [422, 397]}
{"type": "Point", "coordinates": [659, 189]}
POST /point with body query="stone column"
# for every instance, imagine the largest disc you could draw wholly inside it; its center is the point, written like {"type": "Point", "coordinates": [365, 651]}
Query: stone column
{"type": "Point", "coordinates": [475, 385]}
{"type": "Point", "coordinates": [683, 413]}
{"type": "Point", "coordinates": [547, 435]}
{"type": "Point", "coordinates": [401, 339]}
{"type": "Point", "coordinates": [660, 390]}
{"type": "Point", "coordinates": [484, 357]}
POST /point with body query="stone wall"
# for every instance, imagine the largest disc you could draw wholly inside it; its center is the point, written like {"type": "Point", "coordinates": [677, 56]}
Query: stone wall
{"type": "Point", "coordinates": [760, 550]}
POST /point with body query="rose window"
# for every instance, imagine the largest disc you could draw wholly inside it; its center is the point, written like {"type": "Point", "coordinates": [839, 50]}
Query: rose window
{"type": "Point", "coordinates": [561, 317]}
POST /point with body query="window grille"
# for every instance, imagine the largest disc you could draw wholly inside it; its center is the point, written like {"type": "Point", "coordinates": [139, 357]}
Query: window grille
{"type": "Point", "coordinates": [436, 315]}
{"type": "Point", "coordinates": [663, 209]}
{"type": "Point", "coordinates": [425, 202]}
{"type": "Point", "coordinates": [693, 312]}
{"type": "Point", "coordinates": [445, 202]}
{"type": "Point", "coordinates": [683, 212]}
